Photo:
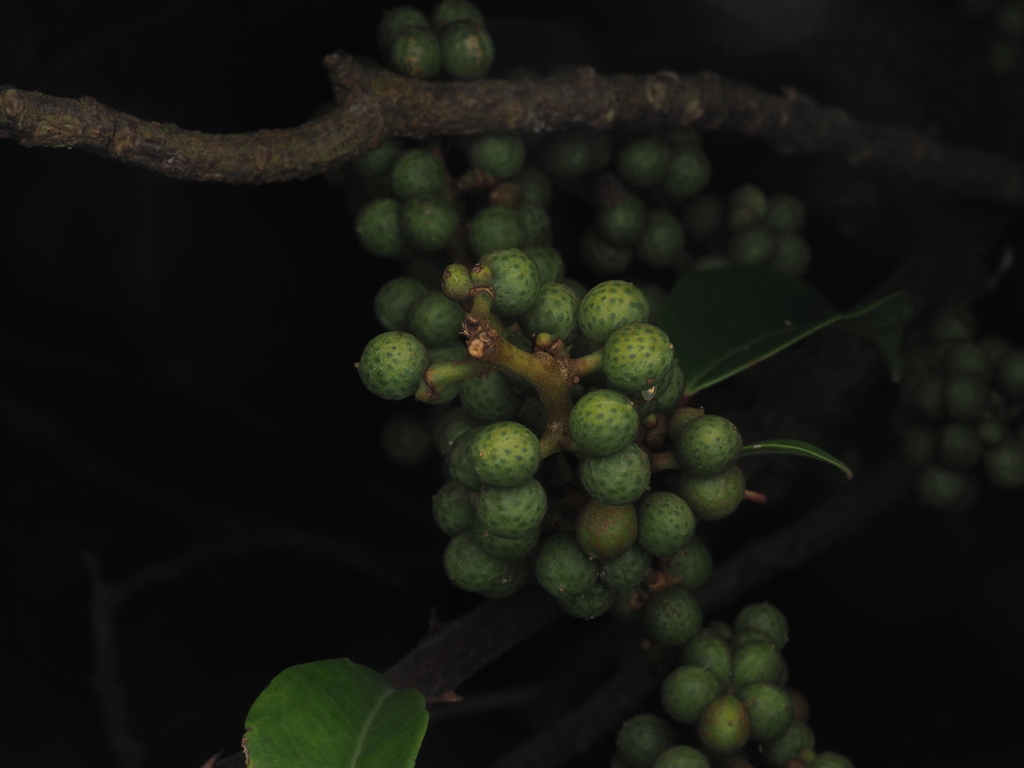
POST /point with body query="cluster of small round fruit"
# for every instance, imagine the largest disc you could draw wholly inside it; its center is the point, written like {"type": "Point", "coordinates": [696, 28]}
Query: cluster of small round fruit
{"type": "Point", "coordinates": [960, 410]}
{"type": "Point", "coordinates": [453, 40]}
{"type": "Point", "coordinates": [730, 685]}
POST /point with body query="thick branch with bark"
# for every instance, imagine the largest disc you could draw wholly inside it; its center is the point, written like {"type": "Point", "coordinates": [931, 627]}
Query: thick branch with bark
{"type": "Point", "coordinates": [374, 105]}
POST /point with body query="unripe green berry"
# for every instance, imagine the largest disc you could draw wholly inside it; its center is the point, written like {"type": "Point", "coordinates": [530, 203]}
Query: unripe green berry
{"type": "Point", "coordinates": [415, 52]}
{"type": "Point", "coordinates": [663, 240]}
{"type": "Point", "coordinates": [606, 531]}
{"type": "Point", "coordinates": [687, 690]}
{"type": "Point", "coordinates": [642, 163]}
{"type": "Point", "coordinates": [766, 618]}
{"type": "Point", "coordinates": [636, 356]}
{"type": "Point", "coordinates": [469, 567]}
{"type": "Point", "coordinates": [467, 50]}
{"type": "Point", "coordinates": [516, 281]}
{"type": "Point", "coordinates": [506, 453]}
{"type": "Point", "coordinates": [452, 509]}
{"type": "Point", "coordinates": [610, 305]}
{"type": "Point", "coordinates": [769, 708]}
{"type": "Point", "coordinates": [830, 760]}
{"type": "Point", "coordinates": [449, 11]}
{"type": "Point", "coordinates": [395, 20]}
{"type": "Point", "coordinates": [450, 426]}
{"type": "Point", "coordinates": [549, 263]}
{"type": "Point", "coordinates": [376, 164]}
{"type": "Point", "coordinates": [516, 575]}
{"type": "Point", "coordinates": [755, 244]}
{"type": "Point", "coordinates": [755, 662]}
{"type": "Point", "coordinates": [562, 567]}
{"type": "Point", "coordinates": [428, 222]}
{"type": "Point", "coordinates": [792, 256]}
{"type": "Point", "coordinates": [378, 227]}
{"type": "Point", "coordinates": [435, 320]}
{"type": "Point", "coordinates": [556, 312]}
{"type": "Point", "coordinates": [589, 604]}
{"type": "Point", "coordinates": [680, 418]}
{"type": "Point", "coordinates": [688, 172]}
{"type": "Point", "coordinates": [392, 302]}
{"type": "Point", "coordinates": [620, 478]}
{"type": "Point", "coordinates": [642, 738]}
{"type": "Point", "coordinates": [626, 570]}
{"type": "Point", "coordinates": [708, 445]}
{"type": "Point", "coordinates": [535, 223]}
{"type": "Point", "coordinates": [460, 460]}
{"type": "Point", "coordinates": [966, 397]}
{"type": "Point", "coordinates": [682, 756]}
{"type": "Point", "coordinates": [672, 616]}
{"type": "Point", "coordinates": [535, 186]}
{"type": "Point", "coordinates": [785, 213]}
{"type": "Point", "coordinates": [623, 222]}
{"type": "Point", "coordinates": [795, 743]}
{"type": "Point", "coordinates": [511, 511]}
{"type": "Point", "coordinates": [493, 228]}
{"type": "Point", "coordinates": [505, 548]}
{"type": "Point", "coordinates": [392, 365]}
{"type": "Point", "coordinates": [418, 171]}
{"type": "Point", "coordinates": [692, 565]}
{"type": "Point", "coordinates": [491, 398]}
{"type": "Point", "coordinates": [603, 422]}
{"type": "Point", "coordinates": [712, 497]}
{"type": "Point", "coordinates": [500, 156]}
{"type": "Point", "coordinates": [665, 523]}
{"type": "Point", "coordinates": [724, 726]}
{"type": "Point", "coordinates": [456, 282]}
{"type": "Point", "coordinates": [567, 155]}
{"type": "Point", "coordinates": [710, 650]}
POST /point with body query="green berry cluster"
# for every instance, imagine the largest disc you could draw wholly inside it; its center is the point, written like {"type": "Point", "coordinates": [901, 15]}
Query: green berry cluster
{"type": "Point", "coordinates": [730, 686]}
{"type": "Point", "coordinates": [959, 411]}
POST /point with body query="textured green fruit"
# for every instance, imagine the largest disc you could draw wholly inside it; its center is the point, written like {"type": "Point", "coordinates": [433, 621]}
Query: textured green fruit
{"type": "Point", "coordinates": [687, 690]}
{"type": "Point", "coordinates": [536, 224]}
{"type": "Point", "coordinates": [378, 227]}
{"type": "Point", "coordinates": [769, 708]}
{"type": "Point", "coordinates": [642, 163]}
{"type": "Point", "coordinates": [516, 575]}
{"type": "Point", "coordinates": [511, 511]}
{"type": "Point", "coordinates": [610, 305]}
{"type": "Point", "coordinates": [395, 20]}
{"type": "Point", "coordinates": [766, 618]}
{"type": "Point", "coordinates": [392, 365]}
{"type": "Point", "coordinates": [724, 725]}
{"type": "Point", "coordinates": [688, 172]}
{"type": "Point", "coordinates": [450, 426]}
{"type": "Point", "coordinates": [460, 460]}
{"type": "Point", "coordinates": [756, 662]}
{"type": "Point", "coordinates": [665, 523]}
{"type": "Point", "coordinates": [492, 228]}
{"type": "Point", "coordinates": [549, 263]}
{"type": "Point", "coordinates": [712, 497]}
{"type": "Point", "coordinates": [620, 478]}
{"type": "Point", "coordinates": [428, 222]}
{"type": "Point", "coordinates": [672, 616]}
{"type": "Point", "coordinates": [516, 280]}
{"type": "Point", "coordinates": [415, 52]}
{"type": "Point", "coordinates": [606, 531]}
{"type": "Point", "coordinates": [589, 604]}
{"type": "Point", "coordinates": [376, 164]}
{"type": "Point", "coordinates": [708, 445]}
{"type": "Point", "coordinates": [505, 453]}
{"type": "Point", "coordinates": [500, 156]}
{"type": "Point", "coordinates": [562, 568]}
{"type": "Point", "coordinates": [785, 213]}
{"type": "Point", "coordinates": [469, 567]}
{"type": "Point", "coordinates": [755, 244]}
{"type": "Point", "coordinates": [682, 756]}
{"type": "Point", "coordinates": [663, 240]}
{"type": "Point", "coordinates": [467, 50]}
{"type": "Point", "coordinates": [642, 738]}
{"type": "Point", "coordinates": [406, 439]}
{"type": "Point", "coordinates": [556, 312]}
{"type": "Point", "coordinates": [636, 356]}
{"type": "Point", "coordinates": [452, 509]}
{"type": "Point", "coordinates": [491, 398]}
{"type": "Point", "coordinates": [435, 320]}
{"type": "Point", "coordinates": [623, 222]}
{"type": "Point", "coordinates": [603, 422]}
{"type": "Point", "coordinates": [627, 570]}
{"type": "Point", "coordinates": [710, 650]}
{"type": "Point", "coordinates": [418, 172]}
{"type": "Point", "coordinates": [505, 548]}
{"type": "Point", "coordinates": [796, 742]}
{"type": "Point", "coordinates": [692, 565]}
{"type": "Point", "coordinates": [792, 256]}
{"type": "Point", "coordinates": [393, 299]}
{"type": "Point", "coordinates": [449, 11]}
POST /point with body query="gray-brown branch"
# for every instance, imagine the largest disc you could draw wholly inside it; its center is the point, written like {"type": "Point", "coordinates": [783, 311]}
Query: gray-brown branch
{"type": "Point", "coordinates": [374, 105]}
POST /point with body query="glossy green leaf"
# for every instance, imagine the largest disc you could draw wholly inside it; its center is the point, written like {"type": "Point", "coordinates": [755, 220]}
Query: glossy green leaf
{"type": "Point", "coordinates": [795, 448]}
{"type": "Point", "coordinates": [334, 714]}
{"type": "Point", "coordinates": [882, 323]}
{"type": "Point", "coordinates": [725, 320]}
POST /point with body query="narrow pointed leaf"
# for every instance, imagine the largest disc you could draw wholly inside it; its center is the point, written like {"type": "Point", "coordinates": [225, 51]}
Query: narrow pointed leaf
{"type": "Point", "coordinates": [795, 448]}
{"type": "Point", "coordinates": [723, 321]}
{"type": "Point", "coordinates": [334, 714]}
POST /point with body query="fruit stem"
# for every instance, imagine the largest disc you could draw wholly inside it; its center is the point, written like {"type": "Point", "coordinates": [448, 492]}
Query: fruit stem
{"type": "Point", "coordinates": [663, 461]}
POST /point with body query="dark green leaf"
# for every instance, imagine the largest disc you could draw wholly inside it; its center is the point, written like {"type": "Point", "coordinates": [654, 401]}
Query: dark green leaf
{"type": "Point", "coordinates": [334, 714]}
{"type": "Point", "coordinates": [882, 323]}
{"type": "Point", "coordinates": [725, 320]}
{"type": "Point", "coordinates": [795, 448]}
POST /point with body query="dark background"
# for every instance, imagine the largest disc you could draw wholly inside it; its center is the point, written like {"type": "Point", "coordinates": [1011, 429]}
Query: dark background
{"type": "Point", "coordinates": [179, 415]}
